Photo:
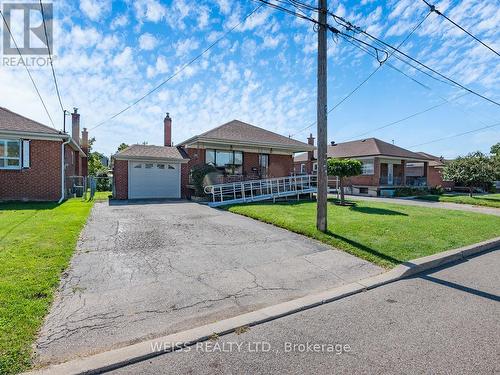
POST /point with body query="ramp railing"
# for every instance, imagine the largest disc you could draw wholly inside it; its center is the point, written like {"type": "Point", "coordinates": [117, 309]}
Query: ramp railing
{"type": "Point", "coordinates": [258, 190]}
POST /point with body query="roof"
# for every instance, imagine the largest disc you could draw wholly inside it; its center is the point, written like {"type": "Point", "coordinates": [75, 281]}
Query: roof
{"type": "Point", "coordinates": [152, 152]}
{"type": "Point", "coordinates": [243, 133]}
{"type": "Point", "coordinates": [436, 161]}
{"type": "Point", "coordinates": [11, 121]}
{"type": "Point", "coordinates": [367, 147]}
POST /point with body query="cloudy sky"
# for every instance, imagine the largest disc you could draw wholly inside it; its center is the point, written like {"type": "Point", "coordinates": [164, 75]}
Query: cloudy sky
{"type": "Point", "coordinates": [108, 54]}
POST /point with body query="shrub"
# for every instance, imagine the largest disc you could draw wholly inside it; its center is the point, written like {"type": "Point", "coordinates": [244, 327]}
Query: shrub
{"type": "Point", "coordinates": [410, 192]}
{"type": "Point", "coordinates": [437, 190]}
{"type": "Point", "coordinates": [198, 173]}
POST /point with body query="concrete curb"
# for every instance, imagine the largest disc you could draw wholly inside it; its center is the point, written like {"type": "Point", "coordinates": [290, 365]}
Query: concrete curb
{"type": "Point", "coordinates": [117, 358]}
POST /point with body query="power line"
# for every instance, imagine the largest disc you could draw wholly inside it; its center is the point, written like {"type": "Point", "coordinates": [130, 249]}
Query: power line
{"type": "Point", "coordinates": [414, 60]}
{"type": "Point", "coordinates": [179, 70]}
{"type": "Point", "coordinates": [370, 75]}
{"type": "Point", "coordinates": [457, 135]}
{"type": "Point", "coordinates": [50, 58]}
{"type": "Point", "coordinates": [433, 9]}
{"type": "Point", "coordinates": [286, 10]}
{"type": "Point", "coordinates": [428, 109]}
{"type": "Point", "coordinates": [27, 70]}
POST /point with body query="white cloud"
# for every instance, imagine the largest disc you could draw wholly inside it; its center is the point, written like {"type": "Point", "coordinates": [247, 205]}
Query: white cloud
{"type": "Point", "coordinates": [183, 47]}
{"type": "Point", "coordinates": [95, 9]}
{"type": "Point", "coordinates": [147, 42]}
{"type": "Point", "coordinates": [149, 10]}
{"type": "Point", "coordinates": [119, 21]}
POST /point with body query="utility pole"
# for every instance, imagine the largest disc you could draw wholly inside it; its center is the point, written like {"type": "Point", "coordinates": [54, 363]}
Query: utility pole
{"type": "Point", "coordinates": [321, 212]}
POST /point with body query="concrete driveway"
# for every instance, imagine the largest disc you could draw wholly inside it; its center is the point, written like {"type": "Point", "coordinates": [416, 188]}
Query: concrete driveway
{"type": "Point", "coordinates": [148, 269]}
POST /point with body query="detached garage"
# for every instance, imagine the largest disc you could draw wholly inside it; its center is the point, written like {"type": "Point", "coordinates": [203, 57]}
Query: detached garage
{"type": "Point", "coordinates": [147, 172]}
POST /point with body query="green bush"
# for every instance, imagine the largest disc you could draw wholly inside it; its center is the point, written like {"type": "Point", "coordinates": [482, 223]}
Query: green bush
{"type": "Point", "coordinates": [437, 190]}
{"type": "Point", "coordinates": [410, 192]}
{"type": "Point", "coordinates": [198, 173]}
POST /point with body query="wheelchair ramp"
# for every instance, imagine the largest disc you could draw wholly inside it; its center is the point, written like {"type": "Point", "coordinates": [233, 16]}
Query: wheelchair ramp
{"type": "Point", "coordinates": [261, 190]}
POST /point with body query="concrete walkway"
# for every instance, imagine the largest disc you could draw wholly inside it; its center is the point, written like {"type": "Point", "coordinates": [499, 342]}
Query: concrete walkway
{"type": "Point", "coordinates": [441, 322]}
{"type": "Point", "coordinates": [148, 269]}
{"type": "Point", "coordinates": [422, 203]}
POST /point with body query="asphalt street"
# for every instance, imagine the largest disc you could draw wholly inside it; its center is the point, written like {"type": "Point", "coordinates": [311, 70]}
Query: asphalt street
{"type": "Point", "coordinates": [444, 321]}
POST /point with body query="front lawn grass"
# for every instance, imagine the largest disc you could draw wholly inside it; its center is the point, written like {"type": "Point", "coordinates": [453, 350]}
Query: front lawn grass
{"type": "Point", "coordinates": [36, 244]}
{"type": "Point", "coordinates": [383, 233]}
{"type": "Point", "coordinates": [488, 200]}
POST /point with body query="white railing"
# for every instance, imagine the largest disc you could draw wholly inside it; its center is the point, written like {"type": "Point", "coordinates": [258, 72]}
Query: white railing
{"type": "Point", "coordinates": [256, 190]}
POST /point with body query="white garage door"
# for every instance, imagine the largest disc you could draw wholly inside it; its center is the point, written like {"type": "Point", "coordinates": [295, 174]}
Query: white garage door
{"type": "Point", "coordinates": [154, 180]}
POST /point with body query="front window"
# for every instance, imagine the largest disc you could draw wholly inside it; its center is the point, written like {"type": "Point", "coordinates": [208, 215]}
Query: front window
{"type": "Point", "coordinates": [10, 154]}
{"type": "Point", "coordinates": [229, 161]}
{"type": "Point", "coordinates": [367, 167]}
{"type": "Point", "coordinates": [263, 164]}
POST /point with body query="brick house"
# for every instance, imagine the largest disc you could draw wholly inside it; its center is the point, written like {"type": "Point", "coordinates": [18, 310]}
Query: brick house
{"type": "Point", "coordinates": [31, 156]}
{"type": "Point", "coordinates": [239, 151]}
{"type": "Point", "coordinates": [385, 166]}
{"type": "Point", "coordinates": [434, 171]}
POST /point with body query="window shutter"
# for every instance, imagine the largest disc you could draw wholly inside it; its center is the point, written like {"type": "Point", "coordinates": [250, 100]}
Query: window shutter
{"type": "Point", "coordinates": [26, 154]}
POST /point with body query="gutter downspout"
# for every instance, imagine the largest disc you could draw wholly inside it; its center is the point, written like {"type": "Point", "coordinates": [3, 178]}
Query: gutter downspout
{"type": "Point", "coordinates": [62, 169]}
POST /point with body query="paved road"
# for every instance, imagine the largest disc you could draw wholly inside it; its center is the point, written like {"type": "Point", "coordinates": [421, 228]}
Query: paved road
{"type": "Point", "coordinates": [444, 322]}
{"type": "Point", "coordinates": [146, 270]}
{"type": "Point", "coordinates": [431, 204]}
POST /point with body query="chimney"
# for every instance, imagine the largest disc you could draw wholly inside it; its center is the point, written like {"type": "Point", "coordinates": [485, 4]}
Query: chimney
{"type": "Point", "coordinates": [310, 141]}
{"type": "Point", "coordinates": [75, 126]}
{"type": "Point", "coordinates": [167, 124]}
{"type": "Point", "coordinates": [85, 140]}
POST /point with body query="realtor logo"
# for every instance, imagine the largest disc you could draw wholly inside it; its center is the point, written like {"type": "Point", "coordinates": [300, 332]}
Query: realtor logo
{"type": "Point", "coordinates": [26, 25]}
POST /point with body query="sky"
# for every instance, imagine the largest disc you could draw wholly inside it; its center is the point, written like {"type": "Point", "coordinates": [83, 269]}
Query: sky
{"type": "Point", "coordinates": [108, 54]}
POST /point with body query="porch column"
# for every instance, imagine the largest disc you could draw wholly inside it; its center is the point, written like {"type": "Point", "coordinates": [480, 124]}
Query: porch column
{"type": "Point", "coordinates": [403, 165]}
{"type": "Point", "coordinates": [426, 165]}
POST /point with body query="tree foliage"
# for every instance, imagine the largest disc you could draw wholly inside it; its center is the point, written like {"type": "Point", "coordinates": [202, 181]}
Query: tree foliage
{"type": "Point", "coordinates": [343, 168]}
{"type": "Point", "coordinates": [122, 146]}
{"type": "Point", "coordinates": [475, 170]}
{"type": "Point", "coordinates": [198, 173]}
{"type": "Point", "coordinates": [495, 156]}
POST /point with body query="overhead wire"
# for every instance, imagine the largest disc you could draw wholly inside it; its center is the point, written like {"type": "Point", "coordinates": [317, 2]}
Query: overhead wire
{"type": "Point", "coordinates": [27, 69]}
{"type": "Point", "coordinates": [181, 69]}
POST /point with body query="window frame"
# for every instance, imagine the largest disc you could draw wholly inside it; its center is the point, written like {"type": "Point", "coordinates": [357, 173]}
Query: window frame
{"type": "Point", "coordinates": [232, 160]}
{"type": "Point", "coordinates": [6, 158]}
{"type": "Point", "coordinates": [364, 171]}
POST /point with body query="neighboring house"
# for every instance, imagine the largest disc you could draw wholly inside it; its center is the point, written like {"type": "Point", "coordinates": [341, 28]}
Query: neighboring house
{"type": "Point", "coordinates": [239, 151]}
{"type": "Point", "coordinates": [435, 169]}
{"type": "Point", "coordinates": [31, 156]}
{"type": "Point", "coordinates": [384, 165]}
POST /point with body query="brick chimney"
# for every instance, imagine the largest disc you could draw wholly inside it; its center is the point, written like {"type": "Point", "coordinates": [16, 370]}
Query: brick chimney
{"type": "Point", "coordinates": [310, 141]}
{"type": "Point", "coordinates": [85, 140]}
{"type": "Point", "coordinates": [167, 124]}
{"type": "Point", "coordinates": [75, 126]}
{"type": "Point", "coordinates": [85, 149]}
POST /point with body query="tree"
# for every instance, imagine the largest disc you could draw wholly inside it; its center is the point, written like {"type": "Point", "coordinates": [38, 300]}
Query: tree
{"type": "Point", "coordinates": [473, 171]}
{"type": "Point", "coordinates": [343, 168]}
{"type": "Point", "coordinates": [495, 156]}
{"type": "Point", "coordinates": [122, 147]}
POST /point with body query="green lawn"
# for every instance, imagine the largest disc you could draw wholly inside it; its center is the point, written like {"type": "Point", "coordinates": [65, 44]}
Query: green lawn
{"type": "Point", "coordinates": [383, 233]}
{"type": "Point", "coordinates": [488, 200]}
{"type": "Point", "coordinates": [102, 195]}
{"type": "Point", "coordinates": [36, 244]}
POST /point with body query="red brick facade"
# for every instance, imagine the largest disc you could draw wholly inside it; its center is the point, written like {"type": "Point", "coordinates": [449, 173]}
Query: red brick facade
{"type": "Point", "coordinates": [120, 173]}
{"type": "Point", "coordinates": [40, 182]}
{"type": "Point", "coordinates": [279, 166]}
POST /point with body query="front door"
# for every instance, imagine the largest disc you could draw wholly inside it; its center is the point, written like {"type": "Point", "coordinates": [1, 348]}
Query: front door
{"type": "Point", "coordinates": [390, 174]}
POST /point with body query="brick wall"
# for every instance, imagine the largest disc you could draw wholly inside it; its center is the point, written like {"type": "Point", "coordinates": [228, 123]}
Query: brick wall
{"type": "Point", "coordinates": [280, 165]}
{"type": "Point", "coordinates": [366, 180]}
{"type": "Point", "coordinates": [40, 182]}
{"type": "Point", "coordinates": [435, 178]}
{"type": "Point", "coordinates": [120, 173]}
{"type": "Point", "coordinates": [251, 166]}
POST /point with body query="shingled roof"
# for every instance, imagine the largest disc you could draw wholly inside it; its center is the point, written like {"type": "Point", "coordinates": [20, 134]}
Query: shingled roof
{"type": "Point", "coordinates": [241, 132]}
{"type": "Point", "coordinates": [152, 152]}
{"type": "Point", "coordinates": [367, 147]}
{"type": "Point", "coordinates": [10, 121]}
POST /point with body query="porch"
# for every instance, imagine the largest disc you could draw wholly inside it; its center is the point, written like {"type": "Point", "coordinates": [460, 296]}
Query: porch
{"type": "Point", "coordinates": [402, 173]}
